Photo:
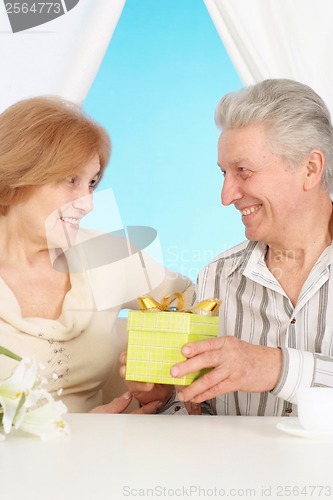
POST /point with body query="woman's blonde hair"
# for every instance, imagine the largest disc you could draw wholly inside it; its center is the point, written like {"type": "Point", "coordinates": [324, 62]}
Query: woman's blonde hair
{"type": "Point", "coordinates": [42, 140]}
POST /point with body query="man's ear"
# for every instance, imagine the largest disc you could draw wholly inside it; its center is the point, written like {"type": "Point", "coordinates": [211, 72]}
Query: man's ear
{"type": "Point", "coordinates": [314, 169]}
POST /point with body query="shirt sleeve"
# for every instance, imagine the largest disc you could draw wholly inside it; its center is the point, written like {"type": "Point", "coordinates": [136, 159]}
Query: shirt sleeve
{"type": "Point", "coordinates": [173, 406]}
{"type": "Point", "coordinates": [302, 369]}
{"type": "Point", "coordinates": [176, 407]}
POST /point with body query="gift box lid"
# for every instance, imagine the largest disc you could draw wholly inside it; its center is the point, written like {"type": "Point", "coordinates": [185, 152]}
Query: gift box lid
{"type": "Point", "coordinates": [173, 322]}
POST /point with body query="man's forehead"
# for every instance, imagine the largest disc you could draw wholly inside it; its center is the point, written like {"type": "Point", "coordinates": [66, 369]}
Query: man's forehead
{"type": "Point", "coordinates": [236, 162]}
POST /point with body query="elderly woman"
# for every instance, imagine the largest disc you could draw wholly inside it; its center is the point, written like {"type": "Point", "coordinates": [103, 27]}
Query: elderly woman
{"type": "Point", "coordinates": [52, 157]}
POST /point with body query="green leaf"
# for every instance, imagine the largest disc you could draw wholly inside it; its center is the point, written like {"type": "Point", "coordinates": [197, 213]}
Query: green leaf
{"type": "Point", "coordinates": [10, 354]}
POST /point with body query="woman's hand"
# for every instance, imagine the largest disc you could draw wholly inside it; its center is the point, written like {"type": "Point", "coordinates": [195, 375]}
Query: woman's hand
{"type": "Point", "coordinates": [146, 393]}
{"type": "Point", "coordinates": [119, 405]}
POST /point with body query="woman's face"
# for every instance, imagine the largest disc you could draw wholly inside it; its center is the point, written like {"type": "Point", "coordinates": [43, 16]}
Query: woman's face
{"type": "Point", "coordinates": [53, 211]}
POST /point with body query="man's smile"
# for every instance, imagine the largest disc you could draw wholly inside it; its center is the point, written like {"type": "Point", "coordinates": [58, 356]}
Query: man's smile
{"type": "Point", "coordinates": [250, 210]}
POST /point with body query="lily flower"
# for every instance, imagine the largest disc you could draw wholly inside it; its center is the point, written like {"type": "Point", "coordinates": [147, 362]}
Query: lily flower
{"type": "Point", "coordinates": [13, 390]}
{"type": "Point", "coordinates": [26, 405]}
{"type": "Point", "coordinates": [46, 420]}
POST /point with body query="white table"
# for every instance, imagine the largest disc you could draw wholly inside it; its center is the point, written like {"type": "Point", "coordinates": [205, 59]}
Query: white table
{"type": "Point", "coordinates": [150, 456]}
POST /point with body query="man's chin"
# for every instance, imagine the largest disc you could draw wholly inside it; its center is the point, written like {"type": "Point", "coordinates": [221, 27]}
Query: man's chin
{"type": "Point", "coordinates": [251, 235]}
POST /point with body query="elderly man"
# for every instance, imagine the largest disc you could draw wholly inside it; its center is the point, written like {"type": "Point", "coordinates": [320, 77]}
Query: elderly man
{"type": "Point", "coordinates": [275, 153]}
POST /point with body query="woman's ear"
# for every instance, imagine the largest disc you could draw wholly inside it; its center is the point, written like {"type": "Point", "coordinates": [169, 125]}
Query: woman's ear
{"type": "Point", "coordinates": [314, 169]}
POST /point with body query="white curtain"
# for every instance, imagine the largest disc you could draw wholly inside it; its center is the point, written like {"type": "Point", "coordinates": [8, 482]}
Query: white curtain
{"type": "Point", "coordinates": [60, 57]}
{"type": "Point", "coordinates": [278, 39]}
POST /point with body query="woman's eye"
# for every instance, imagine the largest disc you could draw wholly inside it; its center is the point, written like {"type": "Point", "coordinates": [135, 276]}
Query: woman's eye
{"type": "Point", "coordinates": [93, 183]}
{"type": "Point", "coordinates": [71, 180]}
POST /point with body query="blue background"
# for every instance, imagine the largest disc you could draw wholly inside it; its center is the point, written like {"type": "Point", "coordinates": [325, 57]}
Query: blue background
{"type": "Point", "coordinates": [155, 93]}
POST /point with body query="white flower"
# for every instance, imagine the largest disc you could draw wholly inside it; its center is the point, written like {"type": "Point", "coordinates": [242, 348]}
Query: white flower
{"type": "Point", "coordinates": [14, 389]}
{"type": "Point", "coordinates": [46, 420]}
{"type": "Point", "coordinates": [26, 405]}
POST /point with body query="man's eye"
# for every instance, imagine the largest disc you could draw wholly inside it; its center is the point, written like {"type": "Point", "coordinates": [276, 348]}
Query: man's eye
{"type": "Point", "coordinates": [244, 173]}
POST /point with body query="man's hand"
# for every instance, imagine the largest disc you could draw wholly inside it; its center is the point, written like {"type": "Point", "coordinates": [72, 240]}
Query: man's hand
{"type": "Point", "coordinates": [145, 392]}
{"type": "Point", "coordinates": [236, 366]}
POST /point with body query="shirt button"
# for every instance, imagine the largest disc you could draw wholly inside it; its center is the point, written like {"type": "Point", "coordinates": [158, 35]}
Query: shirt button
{"type": "Point", "coordinates": [288, 410]}
{"type": "Point", "coordinates": [293, 321]}
{"type": "Point", "coordinates": [177, 408]}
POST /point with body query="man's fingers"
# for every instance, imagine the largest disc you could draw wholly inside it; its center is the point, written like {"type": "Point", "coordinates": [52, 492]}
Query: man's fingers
{"type": "Point", "coordinates": [201, 346]}
{"type": "Point", "coordinates": [208, 359]}
{"type": "Point", "coordinates": [205, 387]}
{"type": "Point", "coordinates": [193, 408]}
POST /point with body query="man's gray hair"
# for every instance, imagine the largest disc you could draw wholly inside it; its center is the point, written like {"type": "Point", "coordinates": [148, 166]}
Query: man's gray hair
{"type": "Point", "coordinates": [296, 119]}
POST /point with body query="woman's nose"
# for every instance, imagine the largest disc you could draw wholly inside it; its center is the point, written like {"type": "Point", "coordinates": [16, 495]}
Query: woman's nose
{"type": "Point", "coordinates": [84, 203]}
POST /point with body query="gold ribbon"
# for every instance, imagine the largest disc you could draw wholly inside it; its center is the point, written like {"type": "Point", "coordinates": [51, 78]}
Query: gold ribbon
{"type": "Point", "coordinates": [208, 307]}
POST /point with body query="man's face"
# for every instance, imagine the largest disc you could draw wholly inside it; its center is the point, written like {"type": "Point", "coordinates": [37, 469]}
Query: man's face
{"type": "Point", "coordinates": [268, 194]}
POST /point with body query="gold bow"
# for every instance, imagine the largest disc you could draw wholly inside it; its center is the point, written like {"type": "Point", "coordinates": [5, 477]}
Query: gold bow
{"type": "Point", "coordinates": [208, 307]}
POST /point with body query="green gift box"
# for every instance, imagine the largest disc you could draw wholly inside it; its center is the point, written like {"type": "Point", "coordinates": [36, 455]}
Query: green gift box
{"type": "Point", "coordinates": [155, 340]}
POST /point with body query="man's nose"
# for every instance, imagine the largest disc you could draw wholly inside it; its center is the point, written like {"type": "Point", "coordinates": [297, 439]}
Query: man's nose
{"type": "Point", "coordinates": [230, 190]}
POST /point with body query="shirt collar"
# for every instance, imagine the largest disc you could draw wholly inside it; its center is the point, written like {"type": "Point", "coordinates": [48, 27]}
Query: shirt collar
{"type": "Point", "coordinates": [250, 250]}
{"type": "Point", "coordinates": [253, 255]}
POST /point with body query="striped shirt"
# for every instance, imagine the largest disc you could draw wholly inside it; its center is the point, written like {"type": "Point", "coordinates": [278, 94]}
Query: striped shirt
{"type": "Point", "coordinates": [256, 309]}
